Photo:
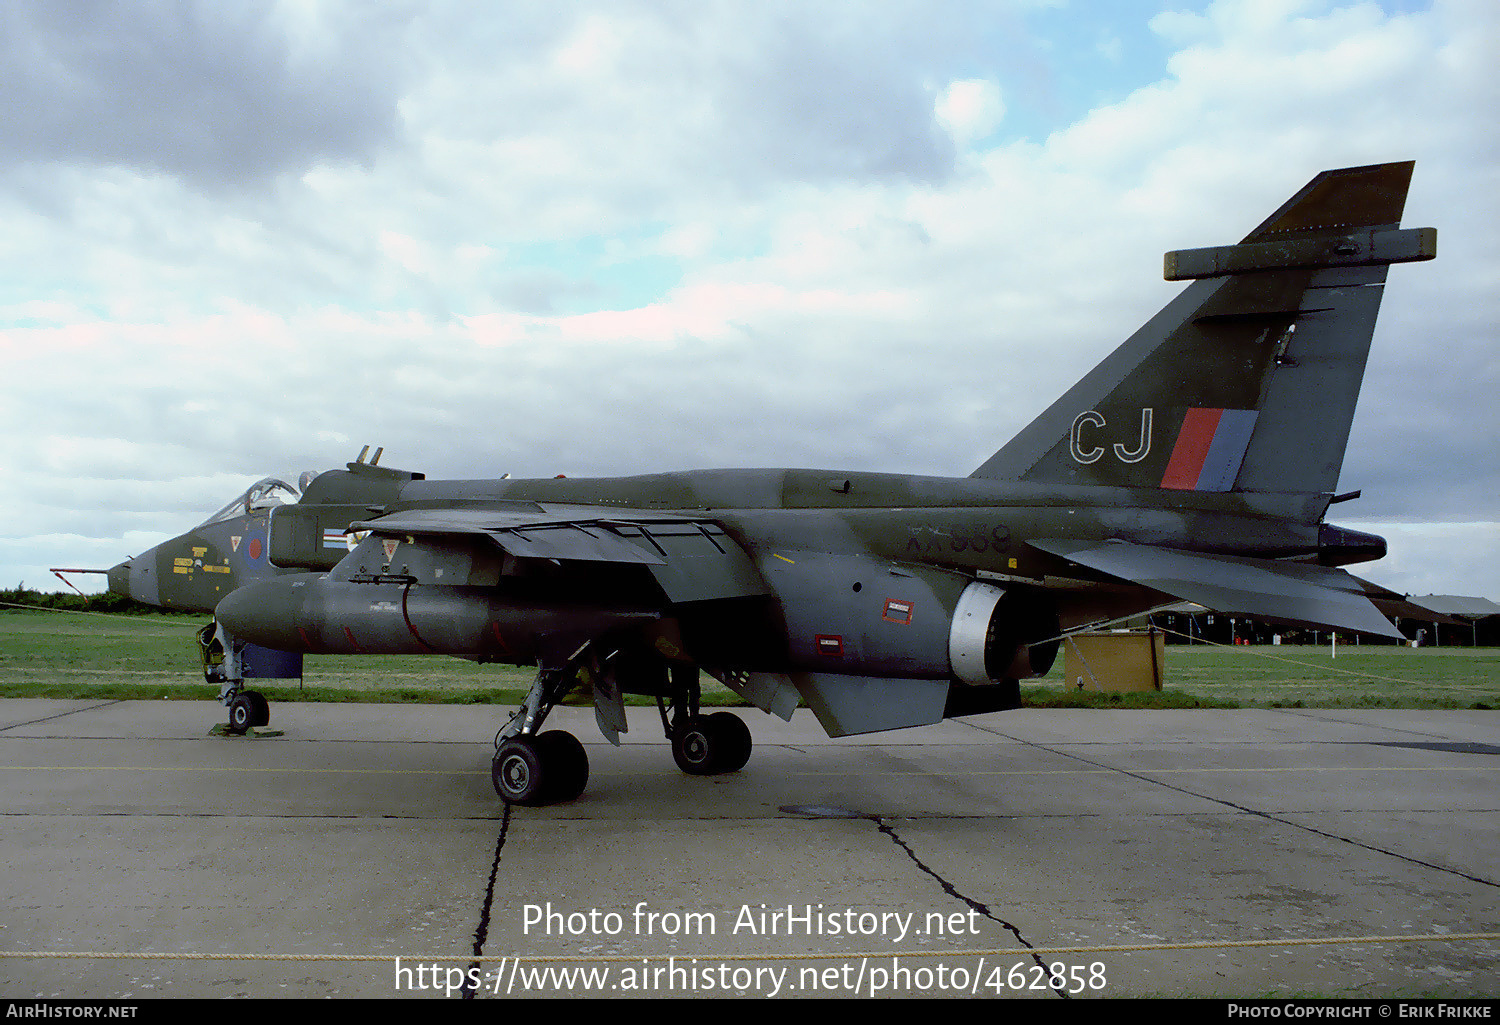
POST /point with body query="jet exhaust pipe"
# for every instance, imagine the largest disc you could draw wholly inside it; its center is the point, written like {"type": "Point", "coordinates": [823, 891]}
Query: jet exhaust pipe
{"type": "Point", "coordinates": [338, 617]}
{"type": "Point", "coordinates": [1001, 635]}
{"type": "Point", "coordinates": [1340, 546]}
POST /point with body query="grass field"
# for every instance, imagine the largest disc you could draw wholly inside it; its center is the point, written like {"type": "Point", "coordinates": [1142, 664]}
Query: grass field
{"type": "Point", "coordinates": [71, 655]}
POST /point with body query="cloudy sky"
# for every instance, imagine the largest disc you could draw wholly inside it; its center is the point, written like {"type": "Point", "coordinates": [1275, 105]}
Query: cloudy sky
{"type": "Point", "coordinates": [617, 237]}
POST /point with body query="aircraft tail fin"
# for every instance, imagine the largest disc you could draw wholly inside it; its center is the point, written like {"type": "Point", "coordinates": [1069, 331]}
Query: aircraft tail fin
{"type": "Point", "coordinates": [1247, 381]}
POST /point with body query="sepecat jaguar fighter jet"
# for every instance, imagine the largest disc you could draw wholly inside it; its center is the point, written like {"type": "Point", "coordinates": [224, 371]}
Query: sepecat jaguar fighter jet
{"type": "Point", "coordinates": [1197, 462]}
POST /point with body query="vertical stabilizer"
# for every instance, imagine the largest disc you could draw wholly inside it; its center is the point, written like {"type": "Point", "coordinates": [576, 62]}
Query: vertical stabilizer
{"type": "Point", "coordinates": [1246, 381]}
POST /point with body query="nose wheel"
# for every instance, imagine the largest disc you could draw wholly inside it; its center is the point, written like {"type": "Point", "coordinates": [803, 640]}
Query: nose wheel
{"type": "Point", "coordinates": [249, 708]}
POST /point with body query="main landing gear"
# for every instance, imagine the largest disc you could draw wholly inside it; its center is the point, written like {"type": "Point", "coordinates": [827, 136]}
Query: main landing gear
{"type": "Point", "coordinates": [533, 768]}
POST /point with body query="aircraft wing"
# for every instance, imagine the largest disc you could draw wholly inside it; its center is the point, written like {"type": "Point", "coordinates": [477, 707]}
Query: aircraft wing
{"type": "Point", "coordinates": [691, 557]}
{"type": "Point", "coordinates": [1295, 593]}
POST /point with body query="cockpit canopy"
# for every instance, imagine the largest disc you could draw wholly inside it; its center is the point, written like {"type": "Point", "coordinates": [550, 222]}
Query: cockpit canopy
{"type": "Point", "coordinates": [265, 493]}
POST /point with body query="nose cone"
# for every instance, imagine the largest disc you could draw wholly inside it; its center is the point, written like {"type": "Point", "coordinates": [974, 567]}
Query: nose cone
{"type": "Point", "coordinates": [134, 578]}
{"type": "Point", "coordinates": [119, 578]}
{"type": "Point", "coordinates": [266, 613]}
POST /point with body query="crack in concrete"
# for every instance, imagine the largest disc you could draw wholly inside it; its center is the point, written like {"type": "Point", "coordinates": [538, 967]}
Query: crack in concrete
{"type": "Point", "coordinates": [1268, 816]}
{"type": "Point", "coordinates": [482, 931]}
{"type": "Point", "coordinates": [974, 905]}
{"type": "Point", "coordinates": [59, 715]}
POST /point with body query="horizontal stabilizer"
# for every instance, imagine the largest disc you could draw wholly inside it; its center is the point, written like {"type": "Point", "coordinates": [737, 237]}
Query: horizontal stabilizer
{"type": "Point", "coordinates": [1298, 594]}
{"type": "Point", "coordinates": [1356, 249]}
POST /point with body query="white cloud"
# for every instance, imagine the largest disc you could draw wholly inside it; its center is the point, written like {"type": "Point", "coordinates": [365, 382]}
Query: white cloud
{"type": "Point", "coordinates": [1437, 558]}
{"type": "Point", "coordinates": [971, 109]}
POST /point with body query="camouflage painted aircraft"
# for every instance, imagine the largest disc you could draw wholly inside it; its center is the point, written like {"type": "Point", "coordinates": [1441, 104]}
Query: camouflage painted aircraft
{"type": "Point", "coordinates": [1197, 462]}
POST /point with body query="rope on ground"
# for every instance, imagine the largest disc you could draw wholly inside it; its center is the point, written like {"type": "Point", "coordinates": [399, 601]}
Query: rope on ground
{"type": "Point", "coordinates": [1253, 650]}
{"type": "Point", "coordinates": [1108, 948]}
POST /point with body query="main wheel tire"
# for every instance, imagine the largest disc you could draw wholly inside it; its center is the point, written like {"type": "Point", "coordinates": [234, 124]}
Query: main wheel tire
{"type": "Point", "coordinates": [519, 773]}
{"type": "Point", "coordinates": [732, 736]}
{"type": "Point", "coordinates": [695, 747]}
{"type": "Point", "coordinates": [565, 764]}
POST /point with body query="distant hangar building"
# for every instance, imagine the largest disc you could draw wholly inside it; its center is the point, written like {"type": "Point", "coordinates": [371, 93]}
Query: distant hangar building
{"type": "Point", "coordinates": [1481, 615]}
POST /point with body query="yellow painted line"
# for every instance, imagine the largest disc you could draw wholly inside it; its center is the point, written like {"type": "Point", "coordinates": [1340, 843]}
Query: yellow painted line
{"type": "Point", "coordinates": [1159, 772]}
{"type": "Point", "coordinates": [783, 558]}
{"type": "Point", "coordinates": [806, 774]}
{"type": "Point", "coordinates": [232, 768]}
